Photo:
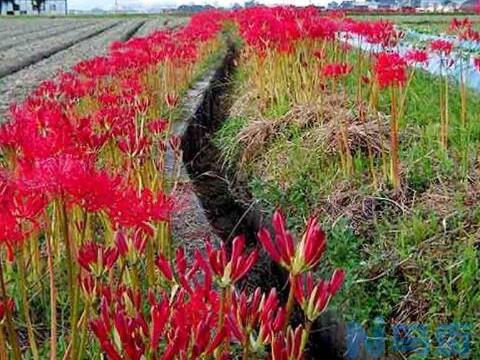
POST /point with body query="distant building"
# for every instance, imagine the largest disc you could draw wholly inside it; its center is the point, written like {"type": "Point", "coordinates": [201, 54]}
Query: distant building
{"type": "Point", "coordinates": [33, 7]}
{"type": "Point", "coordinates": [332, 5]}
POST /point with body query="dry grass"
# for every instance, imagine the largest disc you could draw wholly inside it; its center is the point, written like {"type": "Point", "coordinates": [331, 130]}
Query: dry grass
{"type": "Point", "coordinates": [320, 120]}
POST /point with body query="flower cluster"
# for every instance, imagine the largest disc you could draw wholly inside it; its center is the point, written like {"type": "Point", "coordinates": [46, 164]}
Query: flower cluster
{"type": "Point", "coordinates": [442, 47]}
{"type": "Point", "coordinates": [390, 69]}
{"type": "Point", "coordinates": [83, 184]}
{"type": "Point", "coordinates": [300, 259]}
{"type": "Point", "coordinates": [197, 311]}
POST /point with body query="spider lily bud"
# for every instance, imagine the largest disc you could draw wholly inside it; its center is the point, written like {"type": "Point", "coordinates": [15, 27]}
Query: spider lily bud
{"type": "Point", "coordinates": [97, 258]}
{"type": "Point", "coordinates": [296, 259]}
{"type": "Point", "coordinates": [230, 271]}
{"type": "Point", "coordinates": [160, 313]}
{"type": "Point", "coordinates": [255, 311]}
{"type": "Point", "coordinates": [314, 298]}
{"type": "Point", "coordinates": [288, 347]}
{"type": "Point", "coordinates": [171, 100]}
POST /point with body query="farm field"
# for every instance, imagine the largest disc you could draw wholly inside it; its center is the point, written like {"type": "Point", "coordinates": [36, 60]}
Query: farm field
{"type": "Point", "coordinates": [33, 50]}
{"type": "Point", "coordinates": [267, 183]}
{"type": "Point", "coordinates": [427, 23]}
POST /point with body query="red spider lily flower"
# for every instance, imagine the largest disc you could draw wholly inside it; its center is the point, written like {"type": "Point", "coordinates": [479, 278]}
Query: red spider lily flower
{"type": "Point", "coordinates": [463, 29]}
{"type": "Point", "coordinates": [164, 266]}
{"type": "Point", "coordinates": [171, 100]}
{"type": "Point", "coordinates": [101, 331]}
{"type": "Point", "coordinates": [129, 330]}
{"type": "Point", "coordinates": [133, 145]}
{"type": "Point", "coordinates": [185, 276]}
{"type": "Point", "coordinates": [28, 205]}
{"type": "Point", "coordinates": [390, 69]}
{"type": "Point", "coordinates": [132, 245]}
{"type": "Point", "coordinates": [296, 259]}
{"type": "Point", "coordinates": [229, 271]}
{"type": "Point", "coordinates": [457, 25]}
{"type": "Point", "coordinates": [97, 258]}
{"type": "Point", "coordinates": [121, 243]}
{"type": "Point", "coordinates": [204, 343]}
{"type": "Point", "coordinates": [443, 47]}
{"type": "Point", "coordinates": [319, 54]}
{"type": "Point", "coordinates": [375, 32]}
{"type": "Point", "coordinates": [288, 347]}
{"type": "Point", "coordinates": [10, 306]}
{"type": "Point", "coordinates": [258, 313]}
{"type": "Point", "coordinates": [336, 70]}
{"type": "Point", "coordinates": [175, 143]}
{"type": "Point", "coordinates": [160, 313]}
{"type": "Point", "coordinates": [312, 298]}
{"type": "Point", "coordinates": [87, 284]}
{"type": "Point", "coordinates": [178, 341]}
{"type": "Point", "coordinates": [476, 63]}
{"type": "Point", "coordinates": [157, 126]}
{"type": "Point", "coordinates": [131, 209]}
{"type": "Point", "coordinates": [416, 56]}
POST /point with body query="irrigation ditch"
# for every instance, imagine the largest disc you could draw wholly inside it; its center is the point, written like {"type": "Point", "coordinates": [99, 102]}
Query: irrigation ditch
{"type": "Point", "coordinates": [231, 209]}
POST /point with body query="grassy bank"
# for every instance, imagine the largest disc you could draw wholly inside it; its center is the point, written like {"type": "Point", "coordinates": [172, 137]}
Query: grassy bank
{"type": "Point", "coordinates": [410, 256]}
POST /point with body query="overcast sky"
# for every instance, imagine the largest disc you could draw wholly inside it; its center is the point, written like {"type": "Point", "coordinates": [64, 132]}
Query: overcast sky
{"type": "Point", "coordinates": [108, 4]}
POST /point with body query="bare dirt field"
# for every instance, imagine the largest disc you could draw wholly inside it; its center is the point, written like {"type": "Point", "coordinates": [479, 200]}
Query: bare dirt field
{"type": "Point", "coordinates": [33, 50]}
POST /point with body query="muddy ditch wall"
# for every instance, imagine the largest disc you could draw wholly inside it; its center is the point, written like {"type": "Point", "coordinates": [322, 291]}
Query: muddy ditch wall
{"type": "Point", "coordinates": [231, 209]}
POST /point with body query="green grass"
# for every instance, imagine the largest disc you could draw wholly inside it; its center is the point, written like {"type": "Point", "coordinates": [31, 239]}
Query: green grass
{"type": "Point", "coordinates": [415, 259]}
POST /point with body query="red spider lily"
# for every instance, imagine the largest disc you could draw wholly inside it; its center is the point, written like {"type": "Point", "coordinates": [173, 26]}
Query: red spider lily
{"type": "Point", "coordinates": [319, 54]}
{"type": "Point", "coordinates": [101, 331]}
{"type": "Point", "coordinates": [390, 69]}
{"type": "Point", "coordinates": [458, 26]}
{"type": "Point", "coordinates": [134, 244]}
{"type": "Point", "coordinates": [185, 276]}
{"type": "Point", "coordinates": [204, 343]}
{"type": "Point", "coordinates": [296, 259]}
{"type": "Point", "coordinates": [160, 313]}
{"type": "Point", "coordinates": [175, 143]}
{"type": "Point", "coordinates": [157, 126]}
{"type": "Point", "coordinates": [87, 284]}
{"type": "Point", "coordinates": [289, 346]}
{"type": "Point", "coordinates": [229, 271]}
{"type": "Point", "coordinates": [10, 305]}
{"type": "Point", "coordinates": [97, 258]}
{"type": "Point", "coordinates": [443, 47]}
{"type": "Point", "coordinates": [464, 29]}
{"type": "Point", "coordinates": [336, 70]}
{"type": "Point", "coordinates": [416, 56]}
{"type": "Point", "coordinates": [129, 330]}
{"type": "Point", "coordinates": [133, 145]}
{"type": "Point", "coordinates": [165, 268]}
{"type": "Point", "coordinates": [258, 313]}
{"type": "Point", "coordinates": [171, 100]}
{"type": "Point", "coordinates": [312, 298]}
{"type": "Point", "coordinates": [375, 32]}
{"type": "Point", "coordinates": [476, 63]}
{"type": "Point", "coordinates": [129, 208]}
{"type": "Point", "coordinates": [121, 243]}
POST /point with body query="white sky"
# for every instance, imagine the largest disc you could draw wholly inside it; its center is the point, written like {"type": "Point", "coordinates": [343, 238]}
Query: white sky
{"type": "Point", "coordinates": [108, 4]}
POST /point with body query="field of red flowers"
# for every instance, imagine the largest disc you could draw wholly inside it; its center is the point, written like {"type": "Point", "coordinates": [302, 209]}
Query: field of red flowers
{"type": "Point", "coordinates": [89, 267]}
